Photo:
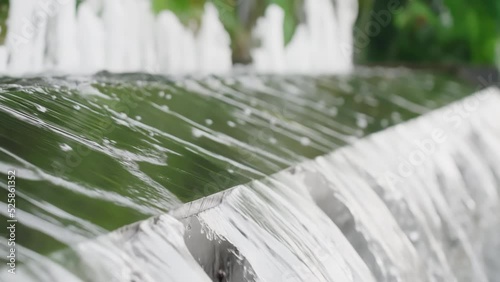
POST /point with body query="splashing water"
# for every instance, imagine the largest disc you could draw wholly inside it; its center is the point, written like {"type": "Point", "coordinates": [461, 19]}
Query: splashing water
{"type": "Point", "coordinates": [126, 36]}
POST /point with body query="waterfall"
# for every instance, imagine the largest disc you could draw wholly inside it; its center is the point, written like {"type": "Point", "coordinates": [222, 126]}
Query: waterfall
{"type": "Point", "coordinates": [415, 202]}
{"type": "Point", "coordinates": [323, 44]}
{"type": "Point", "coordinates": [126, 36]}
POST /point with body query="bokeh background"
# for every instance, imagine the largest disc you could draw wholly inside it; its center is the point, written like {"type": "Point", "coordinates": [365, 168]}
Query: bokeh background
{"type": "Point", "coordinates": [433, 31]}
{"type": "Point", "coordinates": [437, 32]}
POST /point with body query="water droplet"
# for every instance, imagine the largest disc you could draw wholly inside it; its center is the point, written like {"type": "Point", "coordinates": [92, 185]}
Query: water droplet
{"type": "Point", "coordinates": [304, 141]}
{"type": "Point", "coordinates": [197, 133]}
{"type": "Point", "coordinates": [248, 111]}
{"type": "Point", "coordinates": [209, 122]}
{"type": "Point", "coordinates": [161, 94]}
{"type": "Point", "coordinates": [361, 121]}
{"type": "Point", "coordinates": [396, 117]}
{"type": "Point", "coordinates": [169, 97]}
{"type": "Point", "coordinates": [41, 108]}
{"type": "Point", "coordinates": [470, 204]}
{"type": "Point", "coordinates": [231, 123]}
{"type": "Point", "coordinates": [414, 236]}
{"type": "Point", "coordinates": [77, 107]}
{"type": "Point", "coordinates": [138, 117]}
{"type": "Point", "coordinates": [65, 147]}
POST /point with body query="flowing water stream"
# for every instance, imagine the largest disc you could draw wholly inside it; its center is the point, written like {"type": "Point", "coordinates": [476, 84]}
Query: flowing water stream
{"type": "Point", "coordinates": [95, 153]}
{"type": "Point", "coordinates": [298, 168]}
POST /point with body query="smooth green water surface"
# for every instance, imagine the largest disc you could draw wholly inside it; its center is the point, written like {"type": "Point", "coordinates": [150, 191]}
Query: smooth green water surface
{"type": "Point", "coordinates": [96, 153]}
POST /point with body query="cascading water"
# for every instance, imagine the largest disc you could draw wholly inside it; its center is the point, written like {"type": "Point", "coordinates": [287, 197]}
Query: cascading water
{"type": "Point", "coordinates": [418, 201]}
{"type": "Point", "coordinates": [367, 212]}
{"type": "Point", "coordinates": [119, 36]}
{"type": "Point", "coordinates": [126, 36]}
{"type": "Point", "coordinates": [321, 45]}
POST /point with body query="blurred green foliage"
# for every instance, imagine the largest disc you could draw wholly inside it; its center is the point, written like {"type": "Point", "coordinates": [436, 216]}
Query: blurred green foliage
{"type": "Point", "coordinates": [292, 11]}
{"type": "Point", "coordinates": [431, 31]}
{"type": "Point", "coordinates": [238, 17]}
{"type": "Point", "coordinates": [419, 31]}
{"type": "Point", "coordinates": [186, 10]}
{"type": "Point", "coordinates": [231, 14]}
